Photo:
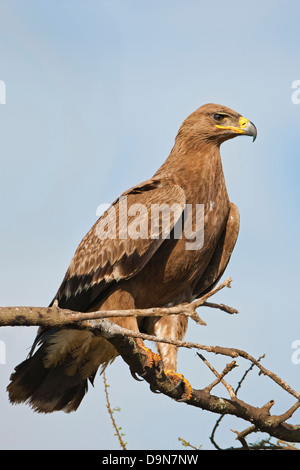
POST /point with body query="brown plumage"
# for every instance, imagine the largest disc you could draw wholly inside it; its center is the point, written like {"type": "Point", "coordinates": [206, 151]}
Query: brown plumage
{"type": "Point", "coordinates": [127, 262]}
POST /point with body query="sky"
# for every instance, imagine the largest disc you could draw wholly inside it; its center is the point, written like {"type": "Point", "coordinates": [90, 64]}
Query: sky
{"type": "Point", "coordinates": [94, 93]}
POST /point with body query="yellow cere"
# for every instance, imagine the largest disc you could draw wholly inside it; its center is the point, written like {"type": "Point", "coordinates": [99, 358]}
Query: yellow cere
{"type": "Point", "coordinates": [243, 123]}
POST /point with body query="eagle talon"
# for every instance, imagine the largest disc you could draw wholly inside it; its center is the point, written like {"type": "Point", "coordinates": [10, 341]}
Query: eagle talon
{"type": "Point", "coordinates": [154, 390]}
{"type": "Point", "coordinates": [180, 380]}
{"type": "Point", "coordinates": [135, 376]}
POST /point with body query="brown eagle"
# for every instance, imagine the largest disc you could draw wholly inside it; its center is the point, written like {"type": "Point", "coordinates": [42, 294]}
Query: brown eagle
{"type": "Point", "coordinates": [165, 241]}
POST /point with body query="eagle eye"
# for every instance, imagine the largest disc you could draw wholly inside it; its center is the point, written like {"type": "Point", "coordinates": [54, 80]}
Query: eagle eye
{"type": "Point", "coordinates": [219, 117]}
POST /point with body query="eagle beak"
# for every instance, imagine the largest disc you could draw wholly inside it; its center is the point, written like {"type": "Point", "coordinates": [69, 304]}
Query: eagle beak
{"type": "Point", "coordinates": [246, 127]}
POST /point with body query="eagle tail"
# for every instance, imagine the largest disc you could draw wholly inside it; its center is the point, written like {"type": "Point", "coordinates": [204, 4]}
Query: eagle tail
{"type": "Point", "coordinates": [46, 389]}
{"type": "Point", "coordinates": [55, 377]}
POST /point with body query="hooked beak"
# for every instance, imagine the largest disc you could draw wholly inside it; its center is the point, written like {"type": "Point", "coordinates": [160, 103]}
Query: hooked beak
{"type": "Point", "coordinates": [246, 128]}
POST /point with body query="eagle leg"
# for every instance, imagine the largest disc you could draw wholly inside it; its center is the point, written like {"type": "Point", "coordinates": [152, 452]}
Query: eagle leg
{"type": "Point", "coordinates": [180, 380]}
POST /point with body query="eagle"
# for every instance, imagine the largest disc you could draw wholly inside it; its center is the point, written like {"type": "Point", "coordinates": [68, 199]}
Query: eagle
{"type": "Point", "coordinates": [163, 242]}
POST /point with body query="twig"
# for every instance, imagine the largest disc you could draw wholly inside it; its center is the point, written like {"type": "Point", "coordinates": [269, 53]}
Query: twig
{"type": "Point", "coordinates": [248, 430]}
{"type": "Point", "coordinates": [241, 438]}
{"type": "Point", "coordinates": [246, 373]}
{"type": "Point", "coordinates": [202, 300]}
{"type": "Point", "coordinates": [227, 369]}
{"type": "Point", "coordinates": [110, 411]}
{"type": "Point", "coordinates": [223, 307]}
{"type": "Point", "coordinates": [187, 444]}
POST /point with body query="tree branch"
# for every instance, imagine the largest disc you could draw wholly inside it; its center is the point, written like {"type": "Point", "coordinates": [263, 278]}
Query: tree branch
{"type": "Point", "coordinates": [57, 317]}
{"type": "Point", "coordinates": [128, 346]}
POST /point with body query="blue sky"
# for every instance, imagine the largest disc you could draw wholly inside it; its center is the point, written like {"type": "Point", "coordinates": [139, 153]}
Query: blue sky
{"type": "Point", "coordinates": [95, 93]}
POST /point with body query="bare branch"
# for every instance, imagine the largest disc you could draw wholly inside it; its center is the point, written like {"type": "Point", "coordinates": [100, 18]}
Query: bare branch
{"type": "Point", "coordinates": [128, 345]}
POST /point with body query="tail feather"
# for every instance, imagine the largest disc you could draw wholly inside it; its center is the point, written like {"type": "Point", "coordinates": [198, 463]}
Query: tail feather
{"type": "Point", "coordinates": [26, 378]}
{"type": "Point", "coordinates": [46, 389]}
{"type": "Point", "coordinates": [55, 376]}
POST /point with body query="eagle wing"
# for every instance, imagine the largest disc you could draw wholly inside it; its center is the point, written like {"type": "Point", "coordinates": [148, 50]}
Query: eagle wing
{"type": "Point", "coordinates": [221, 255]}
{"type": "Point", "coordinates": [120, 243]}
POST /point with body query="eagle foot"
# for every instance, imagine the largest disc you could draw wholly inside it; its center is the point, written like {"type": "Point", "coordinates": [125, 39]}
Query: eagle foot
{"type": "Point", "coordinates": [152, 359]}
{"type": "Point", "coordinates": [180, 380]}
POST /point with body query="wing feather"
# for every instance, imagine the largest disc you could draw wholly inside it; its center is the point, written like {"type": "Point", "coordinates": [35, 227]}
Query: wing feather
{"type": "Point", "coordinates": [221, 255]}
{"type": "Point", "coordinates": [121, 242]}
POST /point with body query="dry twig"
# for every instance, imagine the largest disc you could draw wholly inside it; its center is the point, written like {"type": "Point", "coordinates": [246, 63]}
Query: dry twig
{"type": "Point", "coordinates": [111, 414]}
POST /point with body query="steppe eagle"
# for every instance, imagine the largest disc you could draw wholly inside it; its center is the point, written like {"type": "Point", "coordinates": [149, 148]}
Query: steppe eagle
{"type": "Point", "coordinates": [151, 248]}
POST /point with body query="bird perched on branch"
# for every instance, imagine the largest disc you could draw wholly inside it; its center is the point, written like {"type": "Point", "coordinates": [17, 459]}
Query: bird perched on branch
{"type": "Point", "coordinates": [165, 241]}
